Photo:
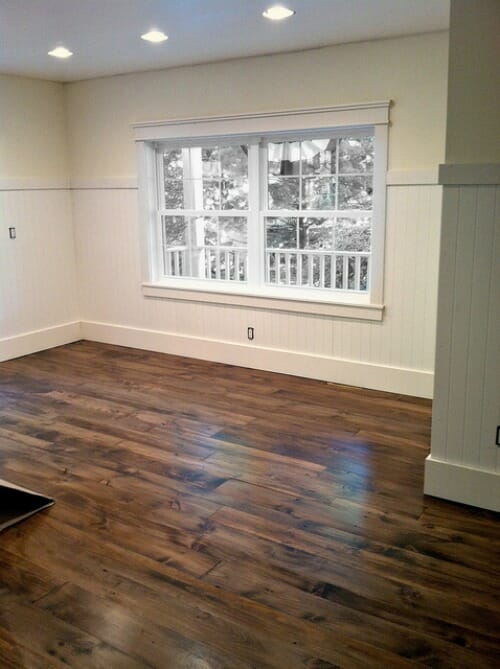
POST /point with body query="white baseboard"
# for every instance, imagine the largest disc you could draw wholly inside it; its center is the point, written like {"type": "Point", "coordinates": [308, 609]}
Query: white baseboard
{"type": "Point", "coordinates": [38, 340]}
{"type": "Point", "coordinates": [349, 372]}
{"type": "Point", "coordinates": [459, 483]}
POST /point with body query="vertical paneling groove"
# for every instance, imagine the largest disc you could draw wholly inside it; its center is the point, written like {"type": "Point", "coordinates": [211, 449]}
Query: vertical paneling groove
{"type": "Point", "coordinates": [37, 270]}
{"type": "Point", "coordinates": [489, 455]}
{"type": "Point", "coordinates": [462, 293]}
{"type": "Point", "coordinates": [476, 359]}
{"type": "Point", "coordinates": [431, 262]}
{"type": "Point", "coordinates": [467, 375]}
{"type": "Point", "coordinates": [442, 369]}
{"type": "Point", "coordinates": [493, 375]}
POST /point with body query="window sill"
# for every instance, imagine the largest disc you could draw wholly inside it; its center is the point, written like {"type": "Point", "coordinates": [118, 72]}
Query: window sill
{"type": "Point", "coordinates": [360, 310]}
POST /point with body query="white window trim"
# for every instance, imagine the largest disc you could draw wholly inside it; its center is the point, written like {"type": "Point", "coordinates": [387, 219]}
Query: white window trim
{"type": "Point", "coordinates": [244, 126]}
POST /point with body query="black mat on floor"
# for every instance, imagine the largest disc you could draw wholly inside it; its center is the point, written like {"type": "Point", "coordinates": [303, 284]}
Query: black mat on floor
{"type": "Point", "coordinates": [18, 503]}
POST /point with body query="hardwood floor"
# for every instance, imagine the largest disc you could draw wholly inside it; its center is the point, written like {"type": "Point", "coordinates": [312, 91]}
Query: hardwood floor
{"type": "Point", "coordinates": [213, 517]}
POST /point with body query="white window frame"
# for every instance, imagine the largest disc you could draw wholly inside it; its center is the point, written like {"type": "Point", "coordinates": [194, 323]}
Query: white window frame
{"type": "Point", "coordinates": [249, 129]}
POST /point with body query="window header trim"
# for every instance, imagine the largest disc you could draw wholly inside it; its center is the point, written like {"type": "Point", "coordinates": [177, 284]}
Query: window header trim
{"type": "Point", "coordinates": [263, 123]}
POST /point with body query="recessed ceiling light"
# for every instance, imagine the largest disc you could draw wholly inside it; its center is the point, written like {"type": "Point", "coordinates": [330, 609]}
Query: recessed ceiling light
{"type": "Point", "coordinates": [278, 13]}
{"type": "Point", "coordinates": [154, 36]}
{"type": "Point", "coordinates": [60, 52]}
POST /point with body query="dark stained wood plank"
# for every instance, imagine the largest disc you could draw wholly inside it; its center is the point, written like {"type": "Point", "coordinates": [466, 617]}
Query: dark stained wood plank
{"type": "Point", "coordinates": [58, 643]}
{"type": "Point", "coordinates": [215, 516]}
{"type": "Point", "coordinates": [268, 587]}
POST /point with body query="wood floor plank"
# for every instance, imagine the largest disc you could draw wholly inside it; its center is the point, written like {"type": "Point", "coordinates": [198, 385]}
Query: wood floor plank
{"type": "Point", "coordinates": [56, 641]}
{"type": "Point", "coordinates": [266, 586]}
{"type": "Point", "coordinates": [210, 516]}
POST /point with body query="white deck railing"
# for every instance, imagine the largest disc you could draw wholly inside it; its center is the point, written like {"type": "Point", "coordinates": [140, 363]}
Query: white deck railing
{"type": "Point", "coordinates": [319, 269]}
{"type": "Point", "coordinates": [207, 262]}
{"type": "Point", "coordinates": [344, 270]}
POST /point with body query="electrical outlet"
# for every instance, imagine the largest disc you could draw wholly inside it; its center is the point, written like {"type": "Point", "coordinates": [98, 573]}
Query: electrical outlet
{"type": "Point", "coordinates": [250, 333]}
{"type": "Point", "coordinates": [12, 233]}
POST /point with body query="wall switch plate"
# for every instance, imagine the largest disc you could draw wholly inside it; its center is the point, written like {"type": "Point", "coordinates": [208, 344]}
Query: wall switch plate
{"type": "Point", "coordinates": [250, 333]}
{"type": "Point", "coordinates": [12, 233]}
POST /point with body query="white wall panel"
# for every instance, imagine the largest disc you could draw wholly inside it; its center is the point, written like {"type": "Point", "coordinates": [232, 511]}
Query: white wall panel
{"type": "Point", "coordinates": [107, 235]}
{"type": "Point", "coordinates": [466, 411]}
{"type": "Point", "coordinates": [37, 269]}
{"type": "Point", "coordinates": [467, 370]}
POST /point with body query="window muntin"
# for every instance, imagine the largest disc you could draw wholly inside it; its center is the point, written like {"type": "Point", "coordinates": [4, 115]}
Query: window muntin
{"type": "Point", "coordinates": [315, 214]}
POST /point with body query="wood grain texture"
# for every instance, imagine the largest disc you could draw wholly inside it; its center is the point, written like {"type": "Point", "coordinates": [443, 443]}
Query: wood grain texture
{"type": "Point", "coordinates": [214, 517]}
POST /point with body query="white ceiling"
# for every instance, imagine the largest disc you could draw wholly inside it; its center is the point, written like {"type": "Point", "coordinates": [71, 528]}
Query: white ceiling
{"type": "Point", "coordinates": [105, 34]}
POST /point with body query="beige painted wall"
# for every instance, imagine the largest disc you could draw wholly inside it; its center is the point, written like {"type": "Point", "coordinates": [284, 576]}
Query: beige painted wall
{"type": "Point", "coordinates": [473, 129]}
{"type": "Point", "coordinates": [38, 292]}
{"type": "Point", "coordinates": [32, 129]}
{"type": "Point", "coordinates": [411, 70]}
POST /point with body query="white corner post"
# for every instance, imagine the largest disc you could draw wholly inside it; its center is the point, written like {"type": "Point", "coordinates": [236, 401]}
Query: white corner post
{"type": "Point", "coordinates": [464, 463]}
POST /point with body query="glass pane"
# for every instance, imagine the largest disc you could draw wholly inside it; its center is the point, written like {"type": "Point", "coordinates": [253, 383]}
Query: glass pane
{"type": "Point", "coordinates": [209, 230]}
{"type": "Point", "coordinates": [319, 156]}
{"type": "Point", "coordinates": [318, 193]}
{"type": "Point", "coordinates": [282, 268]}
{"type": "Point", "coordinates": [211, 194]}
{"type": "Point", "coordinates": [328, 272]}
{"type": "Point", "coordinates": [284, 158]}
{"type": "Point", "coordinates": [292, 268]}
{"type": "Point", "coordinates": [211, 264]}
{"type": "Point", "coordinates": [364, 274]}
{"type": "Point", "coordinates": [284, 192]}
{"type": "Point", "coordinates": [234, 194]}
{"type": "Point", "coordinates": [281, 233]}
{"type": "Point", "coordinates": [234, 161]}
{"type": "Point", "coordinates": [356, 155]}
{"type": "Point", "coordinates": [197, 263]}
{"type": "Point", "coordinates": [306, 270]}
{"type": "Point", "coordinates": [174, 231]}
{"type": "Point", "coordinates": [211, 162]}
{"type": "Point", "coordinates": [233, 231]}
{"type": "Point", "coordinates": [339, 272]}
{"type": "Point", "coordinates": [353, 234]}
{"type": "Point", "coordinates": [316, 271]}
{"type": "Point", "coordinates": [172, 164]}
{"type": "Point", "coordinates": [355, 192]}
{"type": "Point", "coordinates": [351, 264]}
{"type": "Point", "coordinates": [174, 194]}
{"type": "Point", "coordinates": [242, 267]}
{"type": "Point", "coordinates": [315, 233]}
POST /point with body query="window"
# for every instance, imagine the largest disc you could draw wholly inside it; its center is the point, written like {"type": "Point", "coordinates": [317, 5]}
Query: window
{"type": "Point", "coordinates": [204, 212]}
{"type": "Point", "coordinates": [318, 212]}
{"type": "Point", "coordinates": [292, 214]}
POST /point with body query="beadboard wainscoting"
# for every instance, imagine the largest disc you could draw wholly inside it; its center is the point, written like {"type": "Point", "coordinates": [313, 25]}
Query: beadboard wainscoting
{"type": "Point", "coordinates": [396, 354]}
{"type": "Point", "coordinates": [38, 291]}
{"type": "Point", "coordinates": [464, 464]}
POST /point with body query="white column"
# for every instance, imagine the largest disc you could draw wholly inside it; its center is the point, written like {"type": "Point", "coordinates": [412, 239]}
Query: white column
{"type": "Point", "coordinates": [464, 464]}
